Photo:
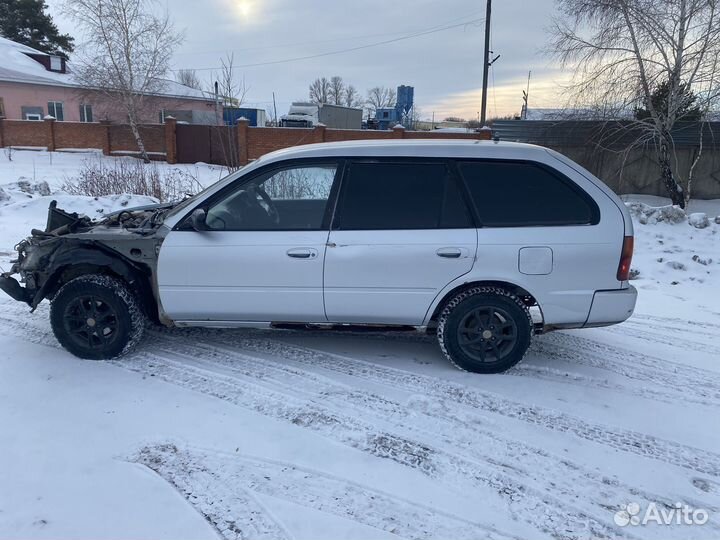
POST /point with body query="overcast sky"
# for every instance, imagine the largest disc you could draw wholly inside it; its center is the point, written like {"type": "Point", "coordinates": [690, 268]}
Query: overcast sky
{"type": "Point", "coordinates": [444, 66]}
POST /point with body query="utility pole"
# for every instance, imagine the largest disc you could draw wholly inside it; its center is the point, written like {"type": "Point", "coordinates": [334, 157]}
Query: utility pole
{"type": "Point", "coordinates": [275, 109]}
{"type": "Point", "coordinates": [486, 64]}
{"type": "Point", "coordinates": [526, 94]}
{"type": "Point", "coordinates": [218, 119]}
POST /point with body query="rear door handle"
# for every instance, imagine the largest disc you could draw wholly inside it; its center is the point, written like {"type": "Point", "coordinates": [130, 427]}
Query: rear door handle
{"type": "Point", "coordinates": [302, 253]}
{"type": "Point", "coordinates": [449, 253]}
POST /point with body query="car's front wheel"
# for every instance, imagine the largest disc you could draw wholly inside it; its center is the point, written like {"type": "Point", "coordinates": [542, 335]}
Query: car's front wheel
{"type": "Point", "coordinates": [485, 330]}
{"type": "Point", "coordinates": [96, 317]}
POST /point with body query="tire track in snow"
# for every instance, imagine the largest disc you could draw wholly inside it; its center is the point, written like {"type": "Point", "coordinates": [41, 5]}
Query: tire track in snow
{"type": "Point", "coordinates": [690, 382]}
{"type": "Point", "coordinates": [552, 374]}
{"type": "Point", "coordinates": [381, 443]}
{"type": "Point", "coordinates": [677, 320]}
{"type": "Point", "coordinates": [231, 510]}
{"type": "Point", "coordinates": [660, 336]}
{"type": "Point", "coordinates": [217, 485]}
{"type": "Point", "coordinates": [466, 436]}
{"type": "Point", "coordinates": [621, 439]}
{"type": "Point", "coordinates": [535, 507]}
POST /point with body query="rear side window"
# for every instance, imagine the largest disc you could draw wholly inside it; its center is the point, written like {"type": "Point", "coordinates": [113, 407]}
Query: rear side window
{"type": "Point", "coordinates": [515, 194]}
{"type": "Point", "coordinates": [412, 195]}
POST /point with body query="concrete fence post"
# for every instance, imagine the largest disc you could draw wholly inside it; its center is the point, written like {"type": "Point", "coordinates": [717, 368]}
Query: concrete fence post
{"type": "Point", "coordinates": [50, 132]}
{"type": "Point", "coordinates": [241, 130]}
{"type": "Point", "coordinates": [398, 132]}
{"type": "Point", "coordinates": [170, 140]}
{"type": "Point", "coordinates": [105, 136]}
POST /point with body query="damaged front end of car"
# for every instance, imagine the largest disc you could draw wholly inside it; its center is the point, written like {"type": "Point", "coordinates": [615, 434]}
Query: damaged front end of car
{"type": "Point", "coordinates": [33, 252]}
{"type": "Point", "coordinates": [124, 244]}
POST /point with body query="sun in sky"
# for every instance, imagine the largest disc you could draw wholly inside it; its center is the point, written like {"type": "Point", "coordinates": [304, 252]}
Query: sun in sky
{"type": "Point", "coordinates": [245, 8]}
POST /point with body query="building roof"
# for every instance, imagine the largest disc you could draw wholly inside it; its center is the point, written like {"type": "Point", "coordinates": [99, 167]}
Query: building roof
{"type": "Point", "coordinates": [17, 66]}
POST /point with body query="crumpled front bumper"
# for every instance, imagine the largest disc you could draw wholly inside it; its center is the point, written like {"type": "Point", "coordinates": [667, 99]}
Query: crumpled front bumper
{"type": "Point", "coordinates": [15, 290]}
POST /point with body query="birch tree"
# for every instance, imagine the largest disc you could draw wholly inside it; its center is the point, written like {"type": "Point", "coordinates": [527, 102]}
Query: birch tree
{"type": "Point", "coordinates": [126, 53]}
{"type": "Point", "coordinates": [623, 51]}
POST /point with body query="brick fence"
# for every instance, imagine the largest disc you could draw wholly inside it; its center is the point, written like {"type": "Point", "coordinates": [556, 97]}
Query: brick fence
{"type": "Point", "coordinates": [184, 143]}
{"type": "Point", "coordinates": [110, 138]}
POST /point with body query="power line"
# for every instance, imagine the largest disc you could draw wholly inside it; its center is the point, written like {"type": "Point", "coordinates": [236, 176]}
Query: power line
{"type": "Point", "coordinates": [335, 40]}
{"type": "Point", "coordinates": [350, 49]}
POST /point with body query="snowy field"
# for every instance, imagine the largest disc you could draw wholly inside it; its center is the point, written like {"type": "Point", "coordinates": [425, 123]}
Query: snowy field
{"type": "Point", "coordinates": [306, 435]}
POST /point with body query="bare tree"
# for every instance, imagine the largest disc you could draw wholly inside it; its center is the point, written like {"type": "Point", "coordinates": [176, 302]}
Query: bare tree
{"type": "Point", "coordinates": [188, 77]}
{"type": "Point", "coordinates": [126, 55]}
{"type": "Point", "coordinates": [380, 97]}
{"type": "Point", "coordinates": [352, 97]}
{"type": "Point", "coordinates": [622, 51]}
{"type": "Point", "coordinates": [320, 90]}
{"type": "Point", "coordinates": [232, 91]}
{"type": "Point", "coordinates": [336, 94]}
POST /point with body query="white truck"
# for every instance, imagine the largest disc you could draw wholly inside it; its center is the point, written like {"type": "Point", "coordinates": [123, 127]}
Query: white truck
{"type": "Point", "coordinates": [307, 115]}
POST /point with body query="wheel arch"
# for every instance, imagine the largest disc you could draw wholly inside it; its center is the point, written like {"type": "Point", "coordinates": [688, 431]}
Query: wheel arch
{"type": "Point", "coordinates": [78, 261]}
{"type": "Point", "coordinates": [455, 288]}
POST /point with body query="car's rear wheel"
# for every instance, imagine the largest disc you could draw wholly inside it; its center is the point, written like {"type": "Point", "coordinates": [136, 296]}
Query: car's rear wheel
{"type": "Point", "coordinates": [485, 330]}
{"type": "Point", "coordinates": [96, 317]}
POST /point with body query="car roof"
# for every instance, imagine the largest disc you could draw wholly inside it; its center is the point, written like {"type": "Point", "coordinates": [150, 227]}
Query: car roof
{"type": "Point", "coordinates": [457, 148]}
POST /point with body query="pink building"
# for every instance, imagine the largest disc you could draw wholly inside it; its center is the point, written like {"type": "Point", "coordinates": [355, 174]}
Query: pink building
{"type": "Point", "coordinates": [34, 84]}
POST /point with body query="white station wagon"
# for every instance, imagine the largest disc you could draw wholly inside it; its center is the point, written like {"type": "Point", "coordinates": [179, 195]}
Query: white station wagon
{"type": "Point", "coordinates": [485, 243]}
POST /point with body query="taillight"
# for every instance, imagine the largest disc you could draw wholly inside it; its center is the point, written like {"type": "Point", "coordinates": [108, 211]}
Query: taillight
{"type": "Point", "coordinates": [623, 272]}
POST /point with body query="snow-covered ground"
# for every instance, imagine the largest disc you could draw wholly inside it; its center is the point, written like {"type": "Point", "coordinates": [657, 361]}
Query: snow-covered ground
{"type": "Point", "coordinates": [306, 435]}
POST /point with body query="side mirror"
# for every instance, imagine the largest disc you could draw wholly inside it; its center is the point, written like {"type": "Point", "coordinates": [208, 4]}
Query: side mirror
{"type": "Point", "coordinates": [197, 220]}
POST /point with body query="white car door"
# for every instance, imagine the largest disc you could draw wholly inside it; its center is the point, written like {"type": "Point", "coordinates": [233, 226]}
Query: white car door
{"type": "Point", "coordinates": [402, 231]}
{"type": "Point", "coordinates": [261, 255]}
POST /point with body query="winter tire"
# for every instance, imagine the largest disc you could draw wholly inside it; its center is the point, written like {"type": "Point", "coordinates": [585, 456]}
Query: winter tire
{"type": "Point", "coordinates": [96, 317]}
{"type": "Point", "coordinates": [485, 330]}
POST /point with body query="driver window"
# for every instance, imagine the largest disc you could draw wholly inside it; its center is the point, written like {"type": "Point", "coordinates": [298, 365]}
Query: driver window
{"type": "Point", "coordinates": [288, 199]}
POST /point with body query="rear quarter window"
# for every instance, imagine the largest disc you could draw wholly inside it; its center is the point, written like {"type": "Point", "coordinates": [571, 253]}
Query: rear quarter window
{"type": "Point", "coordinates": [524, 194]}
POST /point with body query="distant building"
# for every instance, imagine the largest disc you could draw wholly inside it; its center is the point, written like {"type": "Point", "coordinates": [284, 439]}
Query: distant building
{"type": "Point", "coordinates": [256, 117]}
{"type": "Point", "coordinates": [307, 115]}
{"type": "Point", "coordinates": [387, 117]}
{"type": "Point", "coordinates": [34, 84]}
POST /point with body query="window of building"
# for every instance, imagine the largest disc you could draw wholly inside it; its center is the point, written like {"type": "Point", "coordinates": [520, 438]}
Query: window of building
{"type": "Point", "coordinates": [55, 63]}
{"type": "Point", "coordinates": [386, 114]}
{"type": "Point", "coordinates": [411, 195]}
{"type": "Point", "coordinates": [2, 107]}
{"type": "Point", "coordinates": [55, 109]}
{"type": "Point", "coordinates": [517, 194]}
{"type": "Point", "coordinates": [86, 113]}
{"type": "Point", "coordinates": [289, 199]}
{"type": "Point", "coordinates": [163, 112]}
{"type": "Point", "coordinates": [28, 112]}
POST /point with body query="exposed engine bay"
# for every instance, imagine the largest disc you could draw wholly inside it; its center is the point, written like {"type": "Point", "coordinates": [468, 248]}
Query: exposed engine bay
{"type": "Point", "coordinates": [124, 243]}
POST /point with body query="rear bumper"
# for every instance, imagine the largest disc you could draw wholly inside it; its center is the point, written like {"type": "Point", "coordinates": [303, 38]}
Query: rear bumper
{"type": "Point", "coordinates": [15, 290]}
{"type": "Point", "coordinates": [611, 307]}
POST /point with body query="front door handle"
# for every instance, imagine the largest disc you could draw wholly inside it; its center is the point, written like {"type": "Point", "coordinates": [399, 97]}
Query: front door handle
{"type": "Point", "coordinates": [302, 253]}
{"type": "Point", "coordinates": [449, 253]}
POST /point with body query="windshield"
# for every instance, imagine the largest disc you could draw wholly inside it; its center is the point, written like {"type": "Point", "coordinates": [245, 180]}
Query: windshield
{"type": "Point", "coordinates": [190, 201]}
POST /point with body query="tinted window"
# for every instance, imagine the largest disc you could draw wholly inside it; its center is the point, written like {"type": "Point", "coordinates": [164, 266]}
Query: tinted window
{"type": "Point", "coordinates": [400, 196]}
{"type": "Point", "coordinates": [510, 194]}
{"type": "Point", "coordinates": [289, 199]}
